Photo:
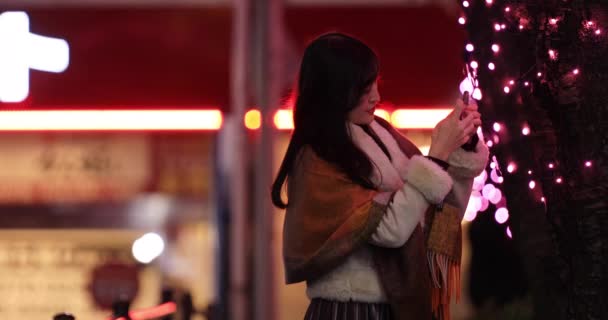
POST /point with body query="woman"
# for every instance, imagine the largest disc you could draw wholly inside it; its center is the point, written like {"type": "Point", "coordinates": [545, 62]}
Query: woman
{"type": "Point", "coordinates": [371, 225]}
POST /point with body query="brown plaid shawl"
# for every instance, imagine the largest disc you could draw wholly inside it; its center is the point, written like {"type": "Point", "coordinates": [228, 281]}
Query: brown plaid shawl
{"type": "Point", "coordinates": [329, 217]}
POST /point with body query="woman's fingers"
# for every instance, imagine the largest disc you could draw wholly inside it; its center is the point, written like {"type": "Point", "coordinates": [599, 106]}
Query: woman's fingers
{"type": "Point", "coordinates": [458, 109]}
{"type": "Point", "coordinates": [472, 105]}
{"type": "Point", "coordinates": [470, 130]}
{"type": "Point", "coordinates": [471, 117]}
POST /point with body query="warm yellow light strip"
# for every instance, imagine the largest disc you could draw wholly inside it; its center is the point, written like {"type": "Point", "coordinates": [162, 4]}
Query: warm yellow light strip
{"type": "Point", "coordinates": [110, 120]}
{"type": "Point", "coordinates": [283, 119]}
{"type": "Point", "coordinates": [418, 118]}
{"type": "Point", "coordinates": [400, 118]}
{"type": "Point", "coordinates": [182, 120]}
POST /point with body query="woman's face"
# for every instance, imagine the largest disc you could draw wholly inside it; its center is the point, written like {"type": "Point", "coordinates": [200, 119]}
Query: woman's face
{"type": "Point", "coordinates": [364, 112]}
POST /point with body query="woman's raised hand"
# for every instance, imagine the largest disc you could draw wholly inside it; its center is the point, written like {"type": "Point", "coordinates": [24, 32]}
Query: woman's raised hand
{"type": "Point", "coordinates": [455, 130]}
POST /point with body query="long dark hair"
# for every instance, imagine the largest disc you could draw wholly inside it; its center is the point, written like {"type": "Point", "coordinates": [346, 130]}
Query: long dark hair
{"type": "Point", "coordinates": [335, 73]}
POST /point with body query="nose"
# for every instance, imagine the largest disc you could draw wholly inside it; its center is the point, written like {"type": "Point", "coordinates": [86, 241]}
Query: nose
{"type": "Point", "coordinates": [374, 97]}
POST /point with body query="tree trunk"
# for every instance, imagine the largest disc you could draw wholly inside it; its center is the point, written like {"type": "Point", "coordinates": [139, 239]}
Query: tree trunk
{"type": "Point", "coordinates": [563, 240]}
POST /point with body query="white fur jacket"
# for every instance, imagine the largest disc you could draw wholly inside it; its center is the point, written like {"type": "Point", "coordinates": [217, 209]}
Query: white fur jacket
{"type": "Point", "coordinates": [419, 182]}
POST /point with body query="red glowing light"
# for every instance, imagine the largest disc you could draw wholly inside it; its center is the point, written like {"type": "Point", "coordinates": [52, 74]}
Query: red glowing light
{"type": "Point", "coordinates": [151, 313]}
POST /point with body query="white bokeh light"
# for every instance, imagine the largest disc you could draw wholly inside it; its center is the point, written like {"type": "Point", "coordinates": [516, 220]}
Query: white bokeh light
{"type": "Point", "coordinates": [488, 191]}
{"type": "Point", "coordinates": [484, 204]}
{"type": "Point", "coordinates": [496, 196]}
{"type": "Point", "coordinates": [495, 177]}
{"type": "Point", "coordinates": [501, 215]}
{"type": "Point", "coordinates": [511, 167]}
{"type": "Point", "coordinates": [148, 247]}
{"type": "Point", "coordinates": [477, 94]}
{"type": "Point", "coordinates": [470, 215]}
{"type": "Point", "coordinates": [466, 85]}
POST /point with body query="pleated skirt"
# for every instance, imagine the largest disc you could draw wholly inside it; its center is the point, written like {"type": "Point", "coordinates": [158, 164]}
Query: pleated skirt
{"type": "Point", "coordinates": [321, 309]}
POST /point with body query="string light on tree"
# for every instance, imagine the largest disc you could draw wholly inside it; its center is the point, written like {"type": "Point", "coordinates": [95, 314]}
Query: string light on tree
{"type": "Point", "coordinates": [477, 95]}
{"type": "Point", "coordinates": [512, 19]}
{"type": "Point", "coordinates": [501, 215]}
{"type": "Point", "coordinates": [511, 167]}
{"type": "Point", "coordinates": [552, 54]}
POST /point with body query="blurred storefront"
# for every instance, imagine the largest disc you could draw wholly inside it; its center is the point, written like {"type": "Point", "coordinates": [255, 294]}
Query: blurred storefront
{"type": "Point", "coordinates": [75, 202]}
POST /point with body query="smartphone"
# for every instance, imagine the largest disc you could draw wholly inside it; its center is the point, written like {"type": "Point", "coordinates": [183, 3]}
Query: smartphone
{"type": "Point", "coordinates": [465, 98]}
{"type": "Point", "coordinates": [469, 145]}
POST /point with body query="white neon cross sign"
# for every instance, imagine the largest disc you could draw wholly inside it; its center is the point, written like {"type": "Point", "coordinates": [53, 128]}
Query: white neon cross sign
{"type": "Point", "coordinates": [21, 50]}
